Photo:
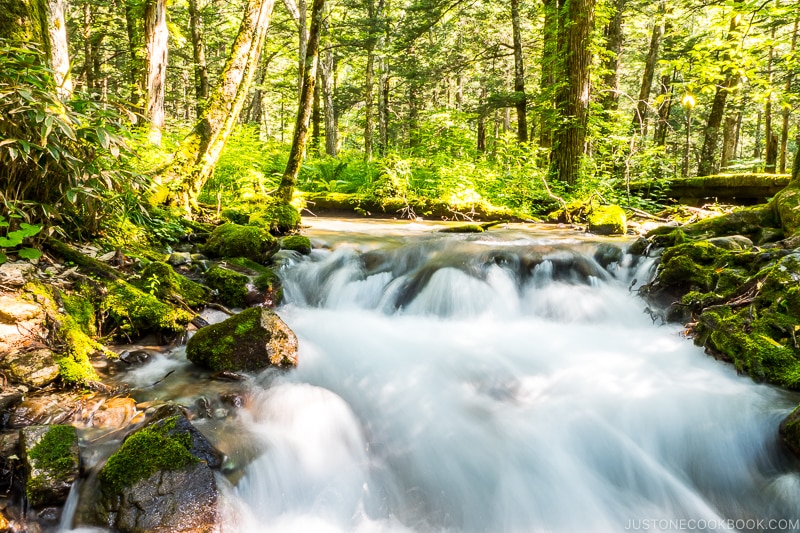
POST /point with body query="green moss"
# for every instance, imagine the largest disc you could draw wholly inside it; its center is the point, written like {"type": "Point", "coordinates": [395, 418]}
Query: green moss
{"type": "Point", "coordinates": [137, 313]}
{"type": "Point", "coordinates": [243, 262]}
{"type": "Point", "coordinates": [297, 243]}
{"type": "Point", "coordinates": [151, 449]}
{"type": "Point", "coordinates": [276, 216]}
{"type": "Point", "coordinates": [231, 286]}
{"type": "Point", "coordinates": [787, 206]}
{"type": "Point", "coordinates": [237, 215]}
{"type": "Point", "coordinates": [54, 452]}
{"type": "Point", "coordinates": [232, 240]}
{"type": "Point", "coordinates": [161, 280]}
{"type": "Point", "coordinates": [607, 220]}
{"type": "Point", "coordinates": [80, 308]}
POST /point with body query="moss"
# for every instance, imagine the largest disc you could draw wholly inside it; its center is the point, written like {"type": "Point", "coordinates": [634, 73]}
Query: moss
{"type": "Point", "coordinates": [232, 240]}
{"type": "Point", "coordinates": [703, 267]}
{"type": "Point", "coordinates": [138, 313]}
{"type": "Point", "coordinates": [245, 263]}
{"type": "Point", "coordinates": [787, 207]}
{"type": "Point", "coordinates": [80, 308]}
{"type": "Point", "coordinates": [607, 220]}
{"type": "Point", "coordinates": [231, 286]}
{"type": "Point", "coordinates": [161, 280]}
{"type": "Point", "coordinates": [54, 457]}
{"type": "Point", "coordinates": [276, 216]}
{"type": "Point", "coordinates": [151, 449]}
{"type": "Point", "coordinates": [237, 215]}
{"type": "Point", "coordinates": [297, 243]}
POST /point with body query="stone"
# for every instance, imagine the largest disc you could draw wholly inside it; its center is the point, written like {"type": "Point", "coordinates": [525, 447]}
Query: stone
{"type": "Point", "coordinates": [232, 240]}
{"type": "Point", "coordinates": [161, 479]}
{"type": "Point", "coordinates": [14, 310]}
{"type": "Point", "coordinates": [179, 258]}
{"type": "Point", "coordinates": [35, 368]}
{"type": "Point", "coordinates": [114, 413]}
{"type": "Point", "coordinates": [17, 272]}
{"type": "Point", "coordinates": [732, 242]}
{"type": "Point", "coordinates": [51, 458]}
{"type": "Point", "coordinates": [250, 341]}
{"type": "Point", "coordinates": [607, 220]}
{"type": "Point", "coordinates": [230, 286]}
{"type": "Point", "coordinates": [41, 409]}
{"type": "Point", "coordinates": [297, 243]}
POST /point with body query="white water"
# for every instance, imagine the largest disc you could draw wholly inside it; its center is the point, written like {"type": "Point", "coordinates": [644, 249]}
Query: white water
{"type": "Point", "coordinates": [500, 383]}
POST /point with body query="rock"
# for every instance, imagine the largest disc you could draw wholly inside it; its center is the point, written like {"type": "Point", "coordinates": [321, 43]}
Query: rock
{"type": "Point", "coordinates": [51, 458]}
{"type": "Point", "coordinates": [732, 242]}
{"type": "Point", "coordinates": [16, 272]}
{"type": "Point", "coordinates": [138, 313]}
{"type": "Point", "coordinates": [41, 409]}
{"type": "Point", "coordinates": [231, 286]}
{"type": "Point", "coordinates": [787, 207]}
{"type": "Point", "coordinates": [35, 368]}
{"type": "Point", "coordinates": [252, 340]}
{"type": "Point", "coordinates": [14, 310]}
{"type": "Point", "coordinates": [607, 220]}
{"type": "Point", "coordinates": [161, 479]}
{"type": "Point", "coordinates": [114, 413]}
{"type": "Point", "coordinates": [607, 253]}
{"type": "Point", "coordinates": [197, 258]}
{"type": "Point", "coordinates": [161, 280]}
{"type": "Point", "coordinates": [179, 258]}
{"type": "Point", "coordinates": [639, 246]}
{"type": "Point", "coordinates": [233, 240]}
{"type": "Point", "coordinates": [297, 243]}
{"type": "Point", "coordinates": [789, 430]}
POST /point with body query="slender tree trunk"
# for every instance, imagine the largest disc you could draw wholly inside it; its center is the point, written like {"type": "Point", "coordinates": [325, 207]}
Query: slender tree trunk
{"type": "Point", "coordinates": [613, 36]}
{"type": "Point", "coordinates": [786, 111]}
{"type": "Point", "coordinates": [298, 10]}
{"type": "Point", "coordinates": [155, 38]}
{"type": "Point", "coordinates": [199, 152]}
{"type": "Point", "coordinates": [728, 138]}
{"type": "Point", "coordinates": [59, 53]}
{"type": "Point", "coordinates": [771, 139]}
{"type": "Point", "coordinates": [549, 59]}
{"type": "Point", "coordinates": [135, 75]}
{"type": "Point", "coordinates": [482, 110]}
{"type": "Point", "coordinates": [519, 76]}
{"type": "Point", "coordinates": [640, 115]}
{"type": "Point", "coordinates": [711, 132]}
{"type": "Point", "coordinates": [383, 107]}
{"type": "Point", "coordinates": [316, 117]}
{"type": "Point", "coordinates": [664, 108]}
{"type": "Point", "coordinates": [201, 86]}
{"type": "Point", "coordinates": [88, 64]}
{"type": "Point", "coordinates": [757, 140]}
{"type": "Point", "coordinates": [375, 12]}
{"type": "Point", "coordinates": [572, 96]}
{"type": "Point", "coordinates": [327, 78]}
{"type": "Point", "coordinates": [297, 152]}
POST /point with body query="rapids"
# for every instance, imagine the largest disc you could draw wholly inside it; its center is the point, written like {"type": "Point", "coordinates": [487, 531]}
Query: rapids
{"type": "Point", "coordinates": [509, 381]}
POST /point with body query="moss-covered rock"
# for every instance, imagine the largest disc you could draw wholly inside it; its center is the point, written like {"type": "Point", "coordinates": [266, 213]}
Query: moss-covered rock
{"type": "Point", "coordinates": [34, 368]}
{"type": "Point", "coordinates": [752, 222]}
{"type": "Point", "coordinates": [276, 216]}
{"type": "Point", "coordinates": [297, 243]}
{"type": "Point", "coordinates": [81, 309]}
{"type": "Point", "coordinates": [607, 220]}
{"type": "Point", "coordinates": [787, 208]}
{"type": "Point", "coordinates": [233, 240]}
{"type": "Point", "coordinates": [250, 341]}
{"type": "Point", "coordinates": [789, 431]}
{"type": "Point", "coordinates": [161, 479]}
{"type": "Point", "coordinates": [137, 313]}
{"type": "Point", "coordinates": [161, 280]}
{"type": "Point", "coordinates": [50, 454]}
{"type": "Point", "coordinates": [230, 286]}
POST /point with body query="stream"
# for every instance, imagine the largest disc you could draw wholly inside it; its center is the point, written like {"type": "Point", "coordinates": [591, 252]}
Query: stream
{"type": "Point", "coordinates": [507, 381]}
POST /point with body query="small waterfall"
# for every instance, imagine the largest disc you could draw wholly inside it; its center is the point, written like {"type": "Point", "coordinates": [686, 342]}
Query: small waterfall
{"type": "Point", "coordinates": [501, 382]}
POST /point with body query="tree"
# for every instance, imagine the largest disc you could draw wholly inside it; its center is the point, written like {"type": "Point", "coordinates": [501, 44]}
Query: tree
{"type": "Point", "coordinates": [519, 75]}
{"type": "Point", "coordinates": [155, 37]}
{"type": "Point", "coordinates": [201, 85]}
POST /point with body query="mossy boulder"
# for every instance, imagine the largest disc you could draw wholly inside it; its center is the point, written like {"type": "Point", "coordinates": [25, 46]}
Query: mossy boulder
{"type": "Point", "coordinates": [276, 216]}
{"type": "Point", "coordinates": [297, 243]}
{"type": "Point", "coordinates": [607, 220]}
{"type": "Point", "coordinates": [52, 462]}
{"type": "Point", "coordinates": [250, 341]}
{"type": "Point", "coordinates": [756, 223]}
{"type": "Point", "coordinates": [137, 313]}
{"type": "Point", "coordinates": [34, 368]}
{"type": "Point", "coordinates": [161, 479]}
{"type": "Point", "coordinates": [230, 286]}
{"type": "Point", "coordinates": [161, 280]}
{"type": "Point", "coordinates": [787, 208]}
{"type": "Point", "coordinates": [232, 240]}
{"type": "Point", "coordinates": [789, 430]}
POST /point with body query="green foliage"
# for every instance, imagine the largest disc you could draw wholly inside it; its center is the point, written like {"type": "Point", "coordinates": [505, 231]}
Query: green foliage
{"type": "Point", "coordinates": [14, 238]}
{"type": "Point", "coordinates": [60, 162]}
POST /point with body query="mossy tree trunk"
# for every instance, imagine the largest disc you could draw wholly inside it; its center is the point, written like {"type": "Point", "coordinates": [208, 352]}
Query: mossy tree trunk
{"type": "Point", "coordinates": [199, 152]}
{"type": "Point", "coordinates": [297, 152]}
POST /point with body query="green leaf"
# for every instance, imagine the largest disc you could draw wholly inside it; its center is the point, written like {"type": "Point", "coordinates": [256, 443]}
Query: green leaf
{"type": "Point", "coordinates": [103, 136]}
{"type": "Point", "coordinates": [3, 258]}
{"type": "Point", "coordinates": [6, 242]}
{"type": "Point", "coordinates": [29, 230]}
{"type": "Point", "coordinates": [29, 253]}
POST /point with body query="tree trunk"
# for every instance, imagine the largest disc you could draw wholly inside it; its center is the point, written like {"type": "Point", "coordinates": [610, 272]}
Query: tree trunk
{"type": "Point", "coordinates": [59, 53]}
{"type": "Point", "coordinates": [711, 132]}
{"type": "Point", "coordinates": [640, 115]}
{"type": "Point", "coordinates": [786, 109]}
{"type": "Point", "coordinates": [728, 138]}
{"type": "Point", "coordinates": [482, 122]}
{"type": "Point", "coordinates": [135, 75]}
{"type": "Point", "coordinates": [772, 140]}
{"type": "Point", "coordinates": [201, 87]}
{"type": "Point", "coordinates": [613, 36]}
{"type": "Point", "coordinates": [519, 76]}
{"type": "Point", "coordinates": [199, 152]}
{"type": "Point", "coordinates": [297, 152]}
{"type": "Point", "coordinates": [316, 117]}
{"type": "Point", "coordinates": [664, 108]}
{"type": "Point", "coordinates": [383, 107]}
{"type": "Point", "coordinates": [155, 39]}
{"type": "Point", "coordinates": [572, 96]}
{"type": "Point", "coordinates": [326, 76]}
{"type": "Point", "coordinates": [375, 12]}
{"type": "Point", "coordinates": [549, 59]}
{"type": "Point", "coordinates": [88, 68]}
{"type": "Point", "coordinates": [297, 9]}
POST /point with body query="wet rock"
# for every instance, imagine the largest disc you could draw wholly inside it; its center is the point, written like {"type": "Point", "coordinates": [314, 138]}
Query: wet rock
{"type": "Point", "coordinates": [252, 340]}
{"type": "Point", "coordinates": [8, 399]}
{"type": "Point", "coordinates": [639, 246]}
{"type": "Point", "coordinates": [732, 242]}
{"type": "Point", "coordinates": [607, 254]}
{"type": "Point", "coordinates": [114, 413]}
{"type": "Point", "coordinates": [161, 479]}
{"type": "Point", "coordinates": [51, 459]}
{"type": "Point", "coordinates": [607, 220]}
{"type": "Point", "coordinates": [789, 431]}
{"type": "Point", "coordinates": [35, 368]}
{"type": "Point", "coordinates": [16, 273]}
{"type": "Point", "coordinates": [43, 409]}
{"type": "Point", "coordinates": [13, 310]}
{"type": "Point", "coordinates": [196, 258]}
{"type": "Point", "coordinates": [297, 243]}
{"type": "Point", "coordinates": [179, 258]}
{"type": "Point", "coordinates": [230, 286]}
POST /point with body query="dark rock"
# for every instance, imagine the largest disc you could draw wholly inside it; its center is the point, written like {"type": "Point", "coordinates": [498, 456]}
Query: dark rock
{"type": "Point", "coordinates": [51, 458]}
{"type": "Point", "coordinates": [252, 340]}
{"type": "Point", "coordinates": [608, 253]}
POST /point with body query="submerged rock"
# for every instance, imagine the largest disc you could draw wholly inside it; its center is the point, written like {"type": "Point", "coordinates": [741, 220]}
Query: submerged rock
{"type": "Point", "coordinates": [252, 340]}
{"type": "Point", "coordinates": [161, 479]}
{"type": "Point", "coordinates": [51, 459]}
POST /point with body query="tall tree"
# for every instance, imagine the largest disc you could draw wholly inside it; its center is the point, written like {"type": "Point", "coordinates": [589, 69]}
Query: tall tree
{"type": "Point", "coordinates": [155, 38]}
{"type": "Point", "coordinates": [640, 115]}
{"type": "Point", "coordinates": [326, 77]}
{"type": "Point", "coordinates": [297, 152]}
{"type": "Point", "coordinates": [59, 50]}
{"type": "Point", "coordinates": [375, 14]}
{"type": "Point", "coordinates": [613, 35]}
{"type": "Point", "coordinates": [548, 77]}
{"type": "Point", "coordinates": [201, 85]}
{"type": "Point", "coordinates": [576, 18]}
{"type": "Point", "coordinates": [786, 109]}
{"type": "Point", "coordinates": [199, 152]}
{"type": "Point", "coordinates": [521, 100]}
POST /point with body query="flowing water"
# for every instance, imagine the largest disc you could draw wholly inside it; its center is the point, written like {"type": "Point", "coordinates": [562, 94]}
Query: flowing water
{"type": "Point", "coordinates": [509, 381]}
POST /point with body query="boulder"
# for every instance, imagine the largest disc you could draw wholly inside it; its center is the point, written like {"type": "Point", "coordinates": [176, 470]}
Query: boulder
{"type": "Point", "coordinates": [14, 310]}
{"type": "Point", "coordinates": [250, 341]}
{"type": "Point", "coordinates": [607, 220]}
{"type": "Point", "coordinates": [297, 243]}
{"type": "Point", "coordinates": [35, 368]}
{"type": "Point", "coordinates": [732, 242]}
{"type": "Point", "coordinates": [161, 280]}
{"type": "Point", "coordinates": [161, 479]}
{"type": "Point", "coordinates": [231, 287]}
{"type": "Point", "coordinates": [233, 240]}
{"type": "Point", "coordinates": [179, 258]}
{"type": "Point", "coordinates": [52, 462]}
{"type": "Point", "coordinates": [789, 431]}
{"type": "Point", "coordinates": [787, 207]}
